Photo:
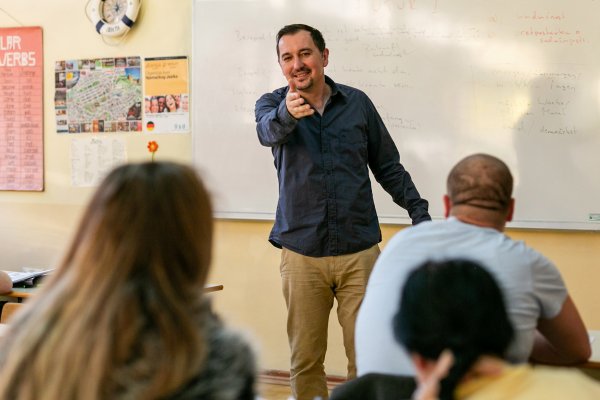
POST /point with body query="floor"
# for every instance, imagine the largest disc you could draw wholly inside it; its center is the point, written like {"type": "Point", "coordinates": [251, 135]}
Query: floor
{"type": "Point", "coordinates": [270, 391]}
{"type": "Point", "coordinates": [273, 391]}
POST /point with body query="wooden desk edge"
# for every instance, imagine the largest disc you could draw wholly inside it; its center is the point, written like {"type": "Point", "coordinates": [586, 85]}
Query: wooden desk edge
{"type": "Point", "coordinates": [26, 294]}
{"type": "Point", "coordinates": [17, 294]}
{"type": "Point", "coordinates": [212, 288]}
{"type": "Point", "coordinates": [589, 365]}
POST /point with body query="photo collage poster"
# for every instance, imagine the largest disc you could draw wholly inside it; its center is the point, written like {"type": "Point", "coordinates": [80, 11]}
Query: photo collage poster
{"type": "Point", "coordinates": [166, 95]}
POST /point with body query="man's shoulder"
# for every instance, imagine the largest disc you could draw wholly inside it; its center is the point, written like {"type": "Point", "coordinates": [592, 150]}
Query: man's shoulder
{"type": "Point", "coordinates": [426, 226]}
{"type": "Point", "coordinates": [486, 243]}
{"type": "Point", "coordinates": [451, 238]}
{"type": "Point", "coordinates": [345, 90]}
{"type": "Point", "coordinates": [454, 232]}
{"type": "Point", "coordinates": [351, 91]}
{"type": "Point", "coordinates": [280, 91]}
{"type": "Point", "coordinates": [415, 232]}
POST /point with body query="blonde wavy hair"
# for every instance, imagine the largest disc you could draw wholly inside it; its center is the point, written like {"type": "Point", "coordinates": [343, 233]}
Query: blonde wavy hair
{"type": "Point", "coordinates": [119, 318]}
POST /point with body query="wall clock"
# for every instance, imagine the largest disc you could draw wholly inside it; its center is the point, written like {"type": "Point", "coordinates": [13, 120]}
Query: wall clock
{"type": "Point", "coordinates": [113, 18]}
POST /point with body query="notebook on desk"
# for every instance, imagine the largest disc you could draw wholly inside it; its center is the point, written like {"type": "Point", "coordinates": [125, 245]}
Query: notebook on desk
{"type": "Point", "coordinates": [20, 277]}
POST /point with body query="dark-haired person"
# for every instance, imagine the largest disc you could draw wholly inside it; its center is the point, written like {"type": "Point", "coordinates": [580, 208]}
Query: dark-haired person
{"type": "Point", "coordinates": [458, 354]}
{"type": "Point", "coordinates": [324, 137]}
{"type": "Point", "coordinates": [124, 315]}
{"type": "Point", "coordinates": [548, 328]}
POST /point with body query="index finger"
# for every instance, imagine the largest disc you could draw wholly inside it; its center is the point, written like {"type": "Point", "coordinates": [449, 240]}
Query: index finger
{"type": "Point", "coordinates": [444, 362]}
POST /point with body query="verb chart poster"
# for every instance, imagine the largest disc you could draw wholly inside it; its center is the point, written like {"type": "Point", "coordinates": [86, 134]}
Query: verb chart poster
{"type": "Point", "coordinates": [21, 109]}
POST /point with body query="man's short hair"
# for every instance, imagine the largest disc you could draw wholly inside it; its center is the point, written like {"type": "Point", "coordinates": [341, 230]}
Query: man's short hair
{"type": "Point", "coordinates": [316, 36]}
{"type": "Point", "coordinates": [482, 181]}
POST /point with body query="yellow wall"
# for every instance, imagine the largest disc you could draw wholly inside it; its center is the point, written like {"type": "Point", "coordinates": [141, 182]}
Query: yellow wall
{"type": "Point", "coordinates": [36, 227]}
{"type": "Point", "coordinates": [248, 266]}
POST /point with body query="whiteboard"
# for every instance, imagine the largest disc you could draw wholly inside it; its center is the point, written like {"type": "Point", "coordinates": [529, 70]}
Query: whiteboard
{"type": "Point", "coordinates": [518, 79]}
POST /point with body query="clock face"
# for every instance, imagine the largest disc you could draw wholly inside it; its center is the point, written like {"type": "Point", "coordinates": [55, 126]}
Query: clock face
{"type": "Point", "coordinates": [113, 10]}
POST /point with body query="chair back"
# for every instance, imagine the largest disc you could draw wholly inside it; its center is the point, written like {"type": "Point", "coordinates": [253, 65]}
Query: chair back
{"type": "Point", "coordinates": [8, 310]}
{"type": "Point", "coordinates": [375, 386]}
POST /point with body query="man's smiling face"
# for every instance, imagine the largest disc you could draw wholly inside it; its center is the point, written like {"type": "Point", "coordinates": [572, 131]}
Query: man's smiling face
{"type": "Point", "coordinates": [301, 60]}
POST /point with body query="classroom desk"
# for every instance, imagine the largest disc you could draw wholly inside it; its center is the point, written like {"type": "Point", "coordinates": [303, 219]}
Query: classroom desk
{"type": "Point", "coordinates": [592, 367]}
{"type": "Point", "coordinates": [595, 338]}
{"type": "Point", "coordinates": [594, 361]}
{"type": "Point", "coordinates": [22, 293]}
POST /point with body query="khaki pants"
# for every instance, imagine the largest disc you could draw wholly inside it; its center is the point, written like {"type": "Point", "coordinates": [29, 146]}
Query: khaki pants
{"type": "Point", "coordinates": [309, 286]}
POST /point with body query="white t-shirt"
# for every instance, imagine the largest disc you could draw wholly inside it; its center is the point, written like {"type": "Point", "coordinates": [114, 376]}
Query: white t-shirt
{"type": "Point", "coordinates": [532, 286]}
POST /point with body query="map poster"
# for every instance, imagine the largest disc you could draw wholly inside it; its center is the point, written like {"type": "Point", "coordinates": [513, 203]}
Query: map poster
{"type": "Point", "coordinates": [98, 95]}
{"type": "Point", "coordinates": [21, 109]}
{"type": "Point", "coordinates": [166, 95]}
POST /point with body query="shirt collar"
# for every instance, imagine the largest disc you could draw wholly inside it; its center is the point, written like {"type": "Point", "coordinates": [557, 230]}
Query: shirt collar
{"type": "Point", "coordinates": [335, 89]}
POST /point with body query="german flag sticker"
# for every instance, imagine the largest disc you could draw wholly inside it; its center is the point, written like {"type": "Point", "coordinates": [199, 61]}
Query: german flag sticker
{"type": "Point", "coordinates": [150, 126]}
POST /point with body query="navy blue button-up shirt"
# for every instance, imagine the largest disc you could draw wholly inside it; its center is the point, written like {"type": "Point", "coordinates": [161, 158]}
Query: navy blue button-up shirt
{"type": "Point", "coordinates": [326, 203]}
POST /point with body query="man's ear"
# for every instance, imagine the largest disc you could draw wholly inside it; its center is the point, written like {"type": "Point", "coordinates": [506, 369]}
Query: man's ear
{"type": "Point", "coordinates": [511, 210]}
{"type": "Point", "coordinates": [447, 206]}
{"type": "Point", "coordinates": [423, 367]}
{"type": "Point", "coordinates": [325, 56]}
{"type": "Point", "coordinates": [419, 362]}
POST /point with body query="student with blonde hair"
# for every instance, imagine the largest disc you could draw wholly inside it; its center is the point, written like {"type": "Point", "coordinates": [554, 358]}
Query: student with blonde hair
{"type": "Point", "coordinates": [123, 316]}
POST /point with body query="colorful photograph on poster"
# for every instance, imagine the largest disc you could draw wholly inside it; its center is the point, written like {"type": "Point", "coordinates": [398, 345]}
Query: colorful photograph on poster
{"type": "Point", "coordinates": [167, 103]}
{"type": "Point", "coordinates": [98, 95]}
{"type": "Point", "coordinates": [166, 95]}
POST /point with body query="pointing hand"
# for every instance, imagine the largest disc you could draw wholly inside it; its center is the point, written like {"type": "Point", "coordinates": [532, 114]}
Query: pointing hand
{"type": "Point", "coordinates": [295, 104]}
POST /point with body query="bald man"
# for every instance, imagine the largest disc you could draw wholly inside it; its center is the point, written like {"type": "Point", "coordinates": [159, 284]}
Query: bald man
{"type": "Point", "coordinates": [478, 203]}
